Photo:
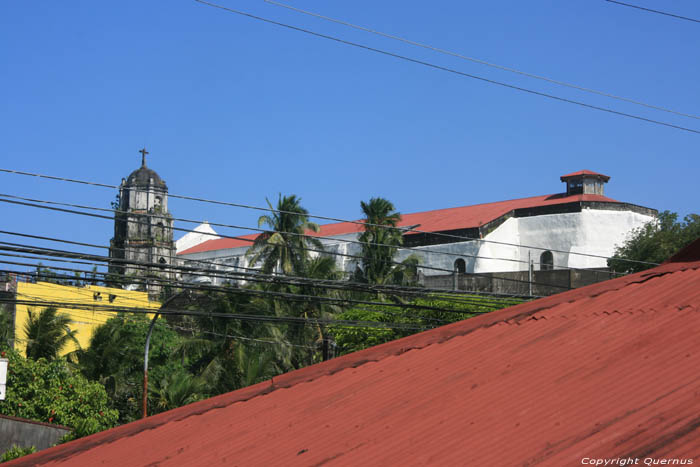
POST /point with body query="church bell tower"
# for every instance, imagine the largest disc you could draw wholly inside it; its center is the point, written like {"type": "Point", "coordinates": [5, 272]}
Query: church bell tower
{"type": "Point", "coordinates": [142, 248]}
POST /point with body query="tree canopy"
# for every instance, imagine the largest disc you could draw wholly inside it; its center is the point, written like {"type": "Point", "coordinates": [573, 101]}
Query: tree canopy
{"type": "Point", "coordinates": [655, 242]}
{"type": "Point", "coordinates": [50, 392]}
{"type": "Point", "coordinates": [380, 242]}
{"type": "Point", "coordinates": [47, 333]}
{"type": "Point", "coordinates": [115, 359]}
{"type": "Point", "coordinates": [284, 246]}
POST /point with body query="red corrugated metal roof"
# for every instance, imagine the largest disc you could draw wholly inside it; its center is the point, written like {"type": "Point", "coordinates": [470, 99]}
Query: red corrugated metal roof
{"type": "Point", "coordinates": [584, 172]}
{"type": "Point", "coordinates": [606, 371]}
{"type": "Point", "coordinates": [439, 220]}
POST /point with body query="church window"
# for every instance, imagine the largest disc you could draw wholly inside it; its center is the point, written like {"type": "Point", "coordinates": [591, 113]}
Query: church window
{"type": "Point", "coordinates": [460, 266]}
{"type": "Point", "coordinates": [546, 261]}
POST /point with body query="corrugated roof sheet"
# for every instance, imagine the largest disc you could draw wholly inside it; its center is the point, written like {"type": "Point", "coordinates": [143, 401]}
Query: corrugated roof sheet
{"type": "Point", "coordinates": [439, 220]}
{"type": "Point", "coordinates": [605, 371]}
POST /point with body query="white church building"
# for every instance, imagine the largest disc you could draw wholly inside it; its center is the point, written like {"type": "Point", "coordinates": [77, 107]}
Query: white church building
{"type": "Point", "coordinates": [574, 229]}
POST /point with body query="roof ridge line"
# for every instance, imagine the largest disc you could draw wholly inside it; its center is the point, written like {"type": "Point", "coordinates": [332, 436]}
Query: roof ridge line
{"type": "Point", "coordinates": [398, 347]}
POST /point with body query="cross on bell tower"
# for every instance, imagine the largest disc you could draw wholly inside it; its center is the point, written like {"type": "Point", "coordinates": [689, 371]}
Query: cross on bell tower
{"type": "Point", "coordinates": [143, 156]}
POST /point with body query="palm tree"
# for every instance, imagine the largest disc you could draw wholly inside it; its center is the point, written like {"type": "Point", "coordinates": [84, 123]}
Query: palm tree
{"type": "Point", "coordinates": [284, 247]}
{"type": "Point", "coordinates": [380, 242]}
{"type": "Point", "coordinates": [177, 389]}
{"type": "Point", "coordinates": [6, 329]}
{"type": "Point", "coordinates": [47, 333]}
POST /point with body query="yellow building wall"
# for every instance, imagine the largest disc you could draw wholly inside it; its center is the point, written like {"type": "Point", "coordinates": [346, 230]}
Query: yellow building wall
{"type": "Point", "coordinates": [85, 321]}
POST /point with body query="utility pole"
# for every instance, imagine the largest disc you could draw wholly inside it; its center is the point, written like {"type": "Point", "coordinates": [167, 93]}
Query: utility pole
{"type": "Point", "coordinates": [145, 366]}
{"type": "Point", "coordinates": [529, 272]}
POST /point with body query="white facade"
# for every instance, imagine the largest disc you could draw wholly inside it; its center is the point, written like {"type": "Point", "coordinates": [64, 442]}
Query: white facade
{"type": "Point", "coordinates": [200, 234]}
{"type": "Point", "coordinates": [576, 229]}
{"type": "Point", "coordinates": [570, 237]}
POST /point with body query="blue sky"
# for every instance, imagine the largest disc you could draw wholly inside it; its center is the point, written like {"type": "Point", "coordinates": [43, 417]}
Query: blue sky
{"type": "Point", "coordinates": [237, 110]}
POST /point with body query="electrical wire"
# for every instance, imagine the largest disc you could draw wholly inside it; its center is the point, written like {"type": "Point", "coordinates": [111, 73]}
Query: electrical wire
{"type": "Point", "coordinates": [654, 11]}
{"type": "Point", "coordinates": [481, 62]}
{"type": "Point", "coordinates": [234, 275]}
{"type": "Point", "coordinates": [297, 297]}
{"type": "Point", "coordinates": [334, 219]}
{"type": "Point", "coordinates": [234, 316]}
{"type": "Point", "coordinates": [451, 70]}
{"type": "Point", "coordinates": [256, 272]}
{"type": "Point", "coordinates": [322, 251]}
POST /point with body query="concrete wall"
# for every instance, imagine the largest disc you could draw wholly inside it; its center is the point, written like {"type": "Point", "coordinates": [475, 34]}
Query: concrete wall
{"type": "Point", "coordinates": [544, 283]}
{"type": "Point", "coordinates": [26, 433]}
{"type": "Point", "coordinates": [84, 321]}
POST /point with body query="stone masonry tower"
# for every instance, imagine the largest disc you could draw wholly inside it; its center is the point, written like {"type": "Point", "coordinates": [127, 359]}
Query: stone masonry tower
{"type": "Point", "coordinates": [143, 247]}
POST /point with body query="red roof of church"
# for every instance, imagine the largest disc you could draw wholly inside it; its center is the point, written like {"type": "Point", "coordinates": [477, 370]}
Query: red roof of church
{"type": "Point", "coordinates": [584, 172]}
{"type": "Point", "coordinates": [439, 220]}
{"type": "Point", "coordinates": [605, 371]}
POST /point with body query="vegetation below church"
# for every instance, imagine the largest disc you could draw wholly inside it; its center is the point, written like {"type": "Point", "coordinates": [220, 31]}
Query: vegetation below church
{"type": "Point", "coordinates": [655, 242]}
{"type": "Point", "coordinates": [237, 335]}
{"type": "Point", "coordinates": [51, 391]}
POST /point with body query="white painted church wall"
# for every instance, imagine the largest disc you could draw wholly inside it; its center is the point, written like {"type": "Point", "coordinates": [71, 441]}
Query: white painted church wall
{"type": "Point", "coordinates": [591, 231]}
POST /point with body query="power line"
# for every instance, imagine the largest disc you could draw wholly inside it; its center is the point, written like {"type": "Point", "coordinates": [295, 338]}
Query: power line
{"type": "Point", "coordinates": [451, 70]}
{"type": "Point", "coordinates": [355, 307]}
{"type": "Point", "coordinates": [419, 249]}
{"type": "Point", "coordinates": [654, 11]}
{"type": "Point", "coordinates": [383, 288]}
{"type": "Point", "coordinates": [234, 316]}
{"type": "Point", "coordinates": [462, 299]}
{"type": "Point", "coordinates": [232, 275]}
{"type": "Point", "coordinates": [361, 223]}
{"type": "Point", "coordinates": [322, 251]}
{"type": "Point", "coordinates": [298, 297]}
{"type": "Point", "coordinates": [476, 60]}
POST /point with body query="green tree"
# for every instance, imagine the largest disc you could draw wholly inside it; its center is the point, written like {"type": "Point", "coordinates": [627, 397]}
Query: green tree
{"type": "Point", "coordinates": [47, 333]}
{"type": "Point", "coordinates": [176, 389]}
{"type": "Point", "coordinates": [220, 350]}
{"type": "Point", "coordinates": [7, 331]}
{"type": "Point", "coordinates": [16, 452]}
{"type": "Point", "coordinates": [115, 359]}
{"type": "Point", "coordinates": [655, 242]}
{"type": "Point", "coordinates": [380, 243]}
{"type": "Point", "coordinates": [454, 308]}
{"type": "Point", "coordinates": [284, 247]}
{"type": "Point", "coordinates": [48, 391]}
{"type": "Point", "coordinates": [305, 338]}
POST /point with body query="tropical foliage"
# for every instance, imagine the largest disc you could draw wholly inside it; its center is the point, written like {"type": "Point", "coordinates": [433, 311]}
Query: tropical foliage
{"type": "Point", "coordinates": [408, 319]}
{"type": "Point", "coordinates": [50, 392]}
{"type": "Point", "coordinates": [288, 317]}
{"type": "Point", "coordinates": [7, 332]}
{"type": "Point", "coordinates": [285, 245]}
{"type": "Point", "coordinates": [15, 451]}
{"type": "Point", "coordinates": [380, 242]}
{"type": "Point", "coordinates": [655, 242]}
{"type": "Point", "coordinates": [47, 333]}
{"type": "Point", "coordinates": [115, 359]}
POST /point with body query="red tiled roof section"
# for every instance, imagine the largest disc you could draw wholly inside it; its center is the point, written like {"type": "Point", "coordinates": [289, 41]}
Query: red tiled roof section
{"type": "Point", "coordinates": [439, 220]}
{"type": "Point", "coordinates": [563, 178]}
{"type": "Point", "coordinates": [605, 371]}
